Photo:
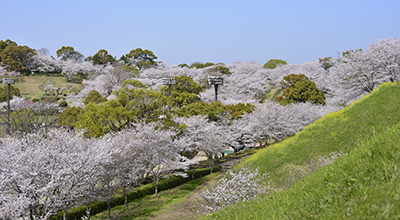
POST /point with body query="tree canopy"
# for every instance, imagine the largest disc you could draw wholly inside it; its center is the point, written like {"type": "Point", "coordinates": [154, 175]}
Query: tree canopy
{"type": "Point", "coordinates": [298, 88]}
{"type": "Point", "coordinates": [142, 59]}
{"type": "Point", "coordinates": [184, 92]}
{"type": "Point", "coordinates": [69, 53]}
{"type": "Point", "coordinates": [14, 91]}
{"type": "Point", "coordinates": [16, 58]}
{"type": "Point", "coordinates": [326, 63]}
{"type": "Point", "coordinates": [102, 57]}
{"type": "Point", "coordinates": [69, 116]}
{"type": "Point", "coordinates": [220, 69]}
{"type": "Point", "coordinates": [272, 63]}
{"type": "Point", "coordinates": [94, 97]}
{"type": "Point", "coordinates": [215, 110]}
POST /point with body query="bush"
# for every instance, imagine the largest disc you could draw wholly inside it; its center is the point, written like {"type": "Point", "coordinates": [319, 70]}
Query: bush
{"type": "Point", "coordinates": [63, 104]}
{"type": "Point", "coordinates": [300, 89]}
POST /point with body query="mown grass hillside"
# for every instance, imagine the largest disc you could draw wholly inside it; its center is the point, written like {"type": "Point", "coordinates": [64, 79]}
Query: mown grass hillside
{"type": "Point", "coordinates": [361, 184]}
{"type": "Point", "coordinates": [29, 84]}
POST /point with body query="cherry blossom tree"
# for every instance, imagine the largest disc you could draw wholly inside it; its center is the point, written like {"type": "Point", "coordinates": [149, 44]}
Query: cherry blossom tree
{"type": "Point", "coordinates": [242, 185]}
{"type": "Point", "coordinates": [161, 153]}
{"type": "Point", "coordinates": [386, 52]}
{"type": "Point", "coordinates": [274, 121]}
{"type": "Point", "coordinates": [208, 137]}
{"type": "Point", "coordinates": [28, 117]}
{"type": "Point", "coordinates": [45, 172]}
{"type": "Point", "coordinates": [360, 73]}
{"type": "Point", "coordinates": [129, 165]}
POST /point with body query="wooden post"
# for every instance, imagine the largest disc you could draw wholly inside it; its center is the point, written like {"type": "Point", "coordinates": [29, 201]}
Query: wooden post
{"type": "Point", "coordinates": [216, 92]}
{"type": "Point", "coordinates": [8, 109]}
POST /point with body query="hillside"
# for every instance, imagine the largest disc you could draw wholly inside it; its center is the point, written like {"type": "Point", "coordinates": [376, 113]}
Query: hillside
{"type": "Point", "coordinates": [28, 85]}
{"type": "Point", "coordinates": [363, 183]}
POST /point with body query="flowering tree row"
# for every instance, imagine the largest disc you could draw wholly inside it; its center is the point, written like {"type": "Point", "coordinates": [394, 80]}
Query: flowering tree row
{"type": "Point", "coordinates": [46, 172]}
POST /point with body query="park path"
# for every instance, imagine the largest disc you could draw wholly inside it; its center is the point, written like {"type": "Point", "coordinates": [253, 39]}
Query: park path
{"type": "Point", "coordinates": [191, 207]}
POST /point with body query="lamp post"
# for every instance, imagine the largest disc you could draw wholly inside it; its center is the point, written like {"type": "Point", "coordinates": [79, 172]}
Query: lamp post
{"type": "Point", "coordinates": [8, 81]}
{"type": "Point", "coordinates": [169, 82]}
{"type": "Point", "coordinates": [216, 81]}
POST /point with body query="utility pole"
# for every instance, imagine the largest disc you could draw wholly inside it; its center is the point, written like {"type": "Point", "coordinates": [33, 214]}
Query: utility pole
{"type": "Point", "coordinates": [8, 81]}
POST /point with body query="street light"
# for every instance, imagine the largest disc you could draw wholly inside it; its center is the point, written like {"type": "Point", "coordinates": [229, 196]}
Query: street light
{"type": "Point", "coordinates": [216, 81]}
{"type": "Point", "coordinates": [8, 81]}
{"type": "Point", "coordinates": [169, 82]}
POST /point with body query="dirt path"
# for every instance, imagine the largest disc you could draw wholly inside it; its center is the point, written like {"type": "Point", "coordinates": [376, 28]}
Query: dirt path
{"type": "Point", "coordinates": [191, 207]}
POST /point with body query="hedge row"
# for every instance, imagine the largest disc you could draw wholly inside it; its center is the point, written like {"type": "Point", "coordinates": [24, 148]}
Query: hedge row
{"type": "Point", "coordinates": [137, 193]}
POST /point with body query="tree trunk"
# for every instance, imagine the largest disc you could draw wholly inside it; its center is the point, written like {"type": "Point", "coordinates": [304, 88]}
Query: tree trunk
{"type": "Point", "coordinates": [194, 169]}
{"type": "Point", "coordinates": [88, 209]}
{"type": "Point", "coordinates": [126, 198]}
{"type": "Point", "coordinates": [156, 187]}
{"type": "Point", "coordinates": [109, 208]}
{"type": "Point", "coordinates": [65, 213]}
{"type": "Point", "coordinates": [31, 214]}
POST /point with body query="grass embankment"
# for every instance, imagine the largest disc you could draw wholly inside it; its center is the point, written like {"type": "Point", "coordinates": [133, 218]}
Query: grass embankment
{"type": "Point", "coordinates": [362, 184]}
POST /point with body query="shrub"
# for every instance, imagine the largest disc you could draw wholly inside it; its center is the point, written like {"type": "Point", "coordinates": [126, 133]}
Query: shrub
{"type": "Point", "coordinates": [63, 104]}
{"type": "Point", "coordinates": [298, 88]}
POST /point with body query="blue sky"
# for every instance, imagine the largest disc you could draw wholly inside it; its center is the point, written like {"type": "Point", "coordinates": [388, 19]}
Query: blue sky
{"type": "Point", "coordinates": [205, 31]}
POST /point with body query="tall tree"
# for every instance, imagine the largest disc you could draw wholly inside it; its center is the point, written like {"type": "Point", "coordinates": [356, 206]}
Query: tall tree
{"type": "Point", "coordinates": [69, 53]}
{"type": "Point", "coordinates": [4, 44]}
{"type": "Point", "coordinates": [102, 57]}
{"type": "Point", "coordinates": [142, 103]}
{"type": "Point", "coordinates": [17, 58]}
{"type": "Point", "coordinates": [360, 71]}
{"type": "Point", "coordinates": [142, 59]}
{"type": "Point", "coordinates": [326, 63]}
{"type": "Point", "coordinates": [209, 137]}
{"type": "Point", "coordinates": [162, 153]}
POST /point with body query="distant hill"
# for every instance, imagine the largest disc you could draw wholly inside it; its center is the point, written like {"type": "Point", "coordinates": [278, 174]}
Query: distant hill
{"type": "Point", "coordinates": [364, 183]}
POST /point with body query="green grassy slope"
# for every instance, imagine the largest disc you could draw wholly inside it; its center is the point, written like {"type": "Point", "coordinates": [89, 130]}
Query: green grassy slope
{"type": "Point", "coordinates": [362, 184]}
{"type": "Point", "coordinates": [29, 84]}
